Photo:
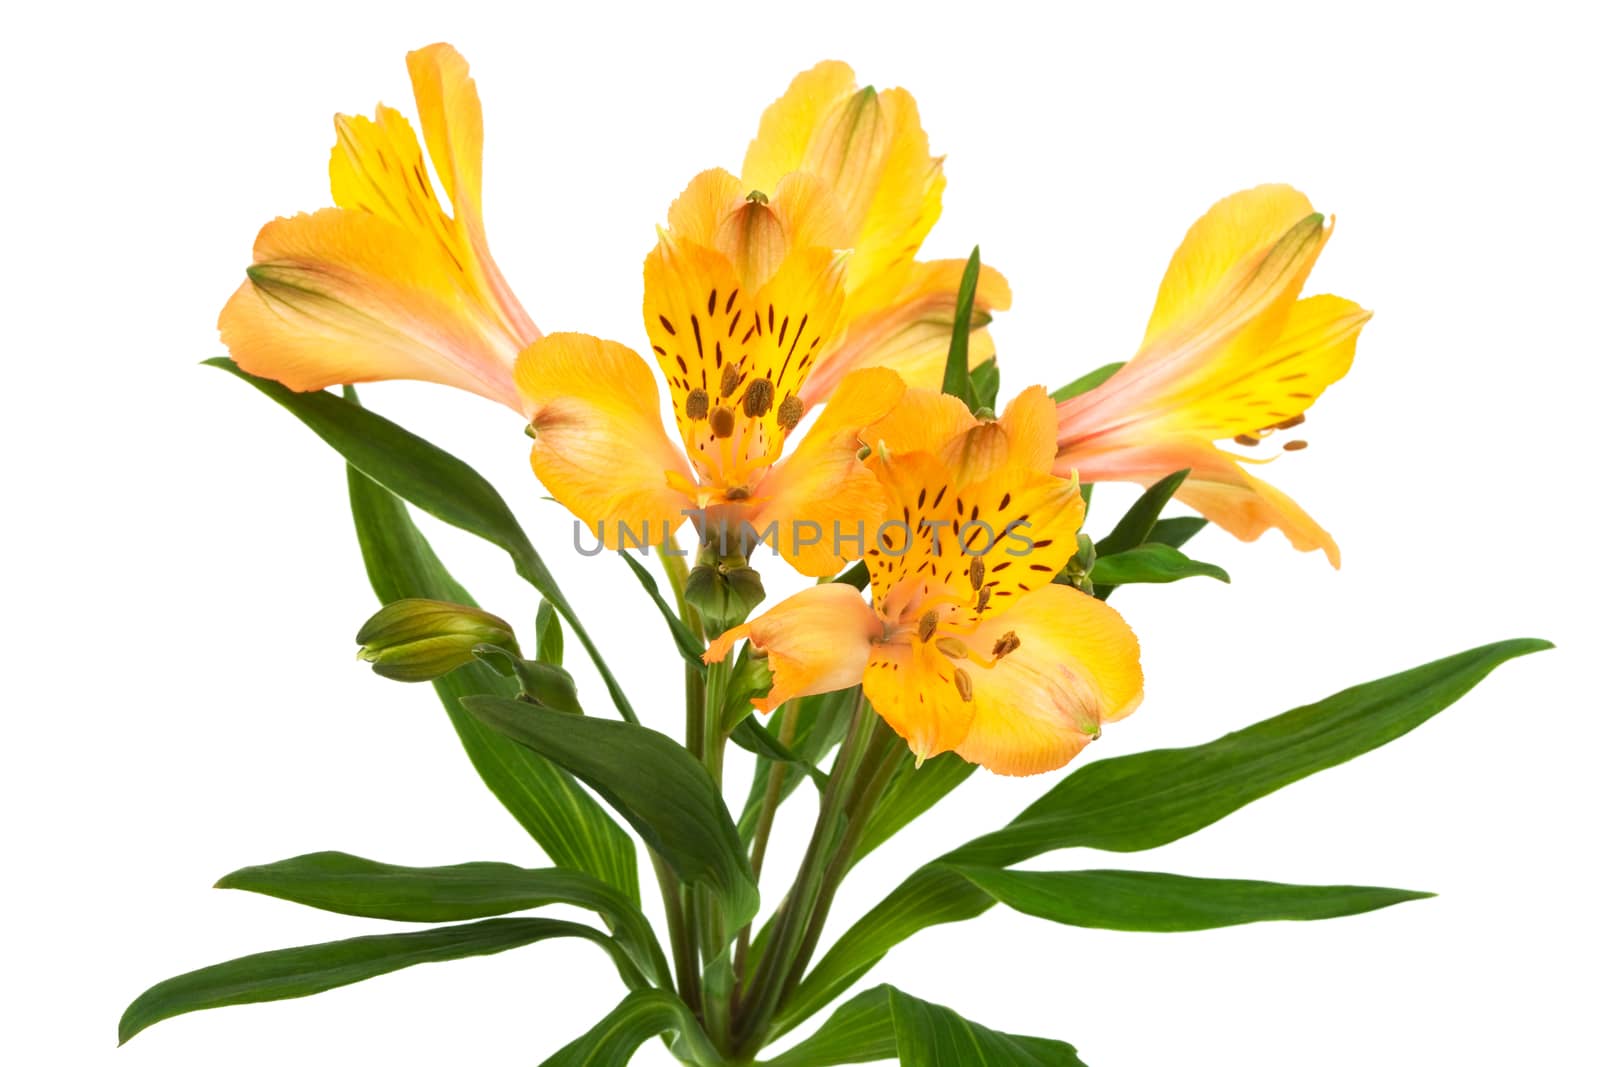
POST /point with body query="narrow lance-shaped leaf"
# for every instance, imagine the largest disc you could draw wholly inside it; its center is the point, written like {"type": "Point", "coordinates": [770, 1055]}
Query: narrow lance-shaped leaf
{"type": "Point", "coordinates": [912, 792]}
{"type": "Point", "coordinates": [547, 631]}
{"type": "Point", "coordinates": [690, 647]}
{"type": "Point", "coordinates": [651, 781]}
{"type": "Point", "coordinates": [1134, 528]}
{"type": "Point", "coordinates": [351, 885]}
{"type": "Point", "coordinates": [1176, 531]}
{"type": "Point", "coordinates": [435, 481]}
{"type": "Point", "coordinates": [957, 379]}
{"type": "Point", "coordinates": [1085, 383]}
{"type": "Point", "coordinates": [933, 1034]}
{"type": "Point", "coordinates": [1171, 903]}
{"type": "Point", "coordinates": [571, 828]}
{"type": "Point", "coordinates": [820, 724]}
{"type": "Point", "coordinates": [751, 736]}
{"type": "Point", "coordinates": [299, 972]}
{"type": "Point", "coordinates": [1149, 799]}
{"type": "Point", "coordinates": [1148, 563]}
{"type": "Point", "coordinates": [641, 1016]}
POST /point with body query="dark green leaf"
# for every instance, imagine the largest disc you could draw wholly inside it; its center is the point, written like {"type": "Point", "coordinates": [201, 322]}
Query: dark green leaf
{"type": "Point", "coordinates": [957, 380]}
{"type": "Point", "coordinates": [986, 384]}
{"type": "Point", "coordinates": [1147, 563]}
{"type": "Point", "coordinates": [861, 1030]}
{"type": "Point", "coordinates": [573, 830]}
{"type": "Point", "coordinates": [1086, 383]}
{"type": "Point", "coordinates": [855, 574]}
{"type": "Point", "coordinates": [547, 631]}
{"type": "Point", "coordinates": [433, 480]}
{"type": "Point", "coordinates": [653, 782]}
{"type": "Point", "coordinates": [308, 969]}
{"type": "Point", "coordinates": [1149, 799]}
{"type": "Point", "coordinates": [1176, 531]}
{"type": "Point", "coordinates": [1134, 528]}
{"type": "Point", "coordinates": [689, 646]}
{"type": "Point", "coordinates": [913, 791]}
{"type": "Point", "coordinates": [1169, 903]}
{"type": "Point", "coordinates": [934, 1035]}
{"type": "Point", "coordinates": [751, 736]}
{"type": "Point", "coordinates": [350, 885]}
{"type": "Point", "coordinates": [642, 1015]}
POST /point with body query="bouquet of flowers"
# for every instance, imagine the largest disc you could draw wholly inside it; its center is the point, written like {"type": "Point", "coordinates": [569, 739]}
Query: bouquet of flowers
{"type": "Point", "coordinates": [835, 407]}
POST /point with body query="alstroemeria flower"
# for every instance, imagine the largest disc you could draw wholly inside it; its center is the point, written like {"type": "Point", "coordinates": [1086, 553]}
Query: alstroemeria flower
{"type": "Point", "coordinates": [967, 645]}
{"type": "Point", "coordinates": [1232, 353]}
{"type": "Point", "coordinates": [868, 150]}
{"type": "Point", "coordinates": [739, 297]}
{"type": "Point", "coordinates": [390, 283]}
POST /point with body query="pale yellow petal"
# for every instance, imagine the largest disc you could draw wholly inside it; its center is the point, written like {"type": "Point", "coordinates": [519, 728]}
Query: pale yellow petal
{"type": "Point", "coordinates": [790, 123]}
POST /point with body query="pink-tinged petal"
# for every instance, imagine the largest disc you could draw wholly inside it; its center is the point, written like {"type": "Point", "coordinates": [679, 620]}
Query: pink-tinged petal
{"type": "Point", "coordinates": [816, 641]}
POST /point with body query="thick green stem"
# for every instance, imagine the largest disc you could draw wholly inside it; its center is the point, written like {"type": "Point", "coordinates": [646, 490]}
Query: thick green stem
{"type": "Point", "coordinates": [763, 833]}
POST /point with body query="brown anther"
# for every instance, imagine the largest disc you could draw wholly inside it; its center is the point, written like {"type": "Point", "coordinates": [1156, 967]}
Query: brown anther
{"type": "Point", "coordinates": [1288, 424]}
{"type": "Point", "coordinates": [730, 378]}
{"type": "Point", "coordinates": [975, 572]}
{"type": "Point", "coordinates": [983, 598]}
{"type": "Point", "coordinates": [697, 405]}
{"type": "Point", "coordinates": [738, 492]}
{"type": "Point", "coordinates": [1009, 642]}
{"type": "Point", "coordinates": [950, 647]}
{"type": "Point", "coordinates": [1248, 439]}
{"type": "Point", "coordinates": [722, 421]}
{"type": "Point", "coordinates": [789, 412]}
{"type": "Point", "coordinates": [1293, 446]}
{"type": "Point", "coordinates": [927, 624]}
{"type": "Point", "coordinates": [758, 398]}
{"type": "Point", "coordinates": [964, 685]}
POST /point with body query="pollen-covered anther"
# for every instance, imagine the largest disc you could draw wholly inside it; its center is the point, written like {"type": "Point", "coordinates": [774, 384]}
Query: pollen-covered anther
{"type": "Point", "coordinates": [1293, 446]}
{"type": "Point", "coordinates": [789, 412]}
{"type": "Point", "coordinates": [951, 647]}
{"type": "Point", "coordinates": [730, 379]}
{"type": "Point", "coordinates": [964, 685]}
{"type": "Point", "coordinates": [983, 599]}
{"type": "Point", "coordinates": [697, 405]}
{"type": "Point", "coordinates": [975, 572]}
{"type": "Point", "coordinates": [1247, 439]}
{"type": "Point", "coordinates": [1290, 423]}
{"type": "Point", "coordinates": [1009, 642]}
{"type": "Point", "coordinates": [721, 421]}
{"type": "Point", "coordinates": [738, 492]}
{"type": "Point", "coordinates": [758, 398]}
{"type": "Point", "coordinates": [927, 624]}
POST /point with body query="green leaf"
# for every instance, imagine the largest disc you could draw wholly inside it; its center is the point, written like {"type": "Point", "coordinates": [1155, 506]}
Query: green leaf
{"type": "Point", "coordinates": [1148, 563]}
{"type": "Point", "coordinates": [1134, 528]}
{"type": "Point", "coordinates": [433, 480]}
{"type": "Point", "coordinates": [753, 737]}
{"type": "Point", "coordinates": [931, 1034]}
{"type": "Point", "coordinates": [1176, 531]}
{"type": "Point", "coordinates": [1142, 801]}
{"type": "Point", "coordinates": [547, 634]}
{"type": "Point", "coordinates": [1086, 383]}
{"type": "Point", "coordinates": [641, 1015]}
{"type": "Point", "coordinates": [651, 781]}
{"type": "Point", "coordinates": [1170, 903]}
{"type": "Point", "coordinates": [986, 384]}
{"type": "Point", "coordinates": [350, 885]}
{"type": "Point", "coordinates": [300, 972]}
{"type": "Point", "coordinates": [820, 725]}
{"type": "Point", "coordinates": [913, 791]}
{"type": "Point", "coordinates": [568, 824]}
{"type": "Point", "coordinates": [957, 380]}
{"type": "Point", "coordinates": [861, 1030]}
{"type": "Point", "coordinates": [690, 647]}
{"type": "Point", "coordinates": [855, 574]}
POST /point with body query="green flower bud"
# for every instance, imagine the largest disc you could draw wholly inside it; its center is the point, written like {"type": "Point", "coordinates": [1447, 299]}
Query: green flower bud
{"type": "Point", "coordinates": [724, 590]}
{"type": "Point", "coordinates": [417, 640]}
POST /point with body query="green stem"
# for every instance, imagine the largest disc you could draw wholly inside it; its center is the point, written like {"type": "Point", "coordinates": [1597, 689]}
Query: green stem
{"type": "Point", "coordinates": [790, 924]}
{"type": "Point", "coordinates": [769, 811]}
{"type": "Point", "coordinates": [685, 961]}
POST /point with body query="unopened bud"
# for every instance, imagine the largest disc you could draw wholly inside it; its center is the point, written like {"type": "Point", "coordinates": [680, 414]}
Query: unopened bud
{"type": "Point", "coordinates": [724, 591]}
{"type": "Point", "coordinates": [417, 640]}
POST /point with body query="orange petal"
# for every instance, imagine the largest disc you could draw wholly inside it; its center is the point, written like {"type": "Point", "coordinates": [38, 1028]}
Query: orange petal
{"type": "Point", "coordinates": [339, 297]}
{"type": "Point", "coordinates": [816, 641]}
{"type": "Point", "coordinates": [1075, 665]}
{"type": "Point", "coordinates": [913, 688]}
{"type": "Point", "coordinates": [599, 447]}
{"type": "Point", "coordinates": [909, 332]}
{"type": "Point", "coordinates": [822, 487]}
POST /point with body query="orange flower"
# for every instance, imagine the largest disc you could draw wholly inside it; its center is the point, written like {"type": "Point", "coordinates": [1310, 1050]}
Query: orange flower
{"type": "Point", "coordinates": [967, 645]}
{"type": "Point", "coordinates": [390, 283]}
{"type": "Point", "coordinates": [1232, 352]}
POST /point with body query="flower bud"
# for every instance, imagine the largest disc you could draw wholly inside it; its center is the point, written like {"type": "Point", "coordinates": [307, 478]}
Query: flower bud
{"type": "Point", "coordinates": [417, 640]}
{"type": "Point", "coordinates": [724, 590]}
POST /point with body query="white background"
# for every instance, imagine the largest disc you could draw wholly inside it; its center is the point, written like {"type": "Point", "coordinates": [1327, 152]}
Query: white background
{"type": "Point", "coordinates": [182, 583]}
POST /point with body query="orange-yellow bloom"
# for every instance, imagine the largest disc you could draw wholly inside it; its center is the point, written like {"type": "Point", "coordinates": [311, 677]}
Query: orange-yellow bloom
{"type": "Point", "coordinates": [391, 283]}
{"type": "Point", "coordinates": [967, 646]}
{"type": "Point", "coordinates": [1232, 352]}
{"type": "Point", "coordinates": [741, 294]}
{"type": "Point", "coordinates": [868, 152]}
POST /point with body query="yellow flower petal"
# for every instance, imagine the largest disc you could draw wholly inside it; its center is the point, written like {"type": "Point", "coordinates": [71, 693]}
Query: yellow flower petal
{"type": "Point", "coordinates": [1074, 665]}
{"type": "Point", "coordinates": [822, 491]}
{"type": "Point", "coordinates": [914, 689]}
{"type": "Point", "coordinates": [789, 125]}
{"type": "Point", "coordinates": [599, 447]}
{"type": "Point", "coordinates": [339, 297]}
{"type": "Point", "coordinates": [816, 641]}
